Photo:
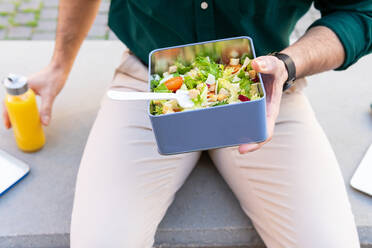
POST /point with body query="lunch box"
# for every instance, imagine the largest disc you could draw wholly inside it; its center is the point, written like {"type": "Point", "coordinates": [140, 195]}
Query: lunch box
{"type": "Point", "coordinates": [213, 127]}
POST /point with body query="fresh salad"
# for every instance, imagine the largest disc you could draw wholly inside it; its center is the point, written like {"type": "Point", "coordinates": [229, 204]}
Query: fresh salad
{"type": "Point", "coordinates": [208, 84]}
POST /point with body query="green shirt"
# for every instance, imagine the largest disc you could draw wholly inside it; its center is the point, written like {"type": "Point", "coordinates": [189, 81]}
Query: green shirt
{"type": "Point", "coordinates": [144, 25]}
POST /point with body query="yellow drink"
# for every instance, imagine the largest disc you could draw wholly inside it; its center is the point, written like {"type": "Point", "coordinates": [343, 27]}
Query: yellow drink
{"type": "Point", "coordinates": [25, 120]}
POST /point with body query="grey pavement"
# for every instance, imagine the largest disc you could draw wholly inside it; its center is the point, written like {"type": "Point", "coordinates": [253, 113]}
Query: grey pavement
{"type": "Point", "coordinates": [50, 3]}
{"type": "Point", "coordinates": [47, 26]}
{"type": "Point", "coordinates": [30, 5]}
{"type": "Point", "coordinates": [49, 14]}
{"type": "Point", "coordinates": [32, 15]}
{"type": "Point", "coordinates": [24, 18]}
{"type": "Point", "coordinates": [36, 213]}
{"type": "Point", "coordinates": [37, 19]}
{"type": "Point", "coordinates": [3, 21]}
{"type": "Point", "coordinates": [22, 33]}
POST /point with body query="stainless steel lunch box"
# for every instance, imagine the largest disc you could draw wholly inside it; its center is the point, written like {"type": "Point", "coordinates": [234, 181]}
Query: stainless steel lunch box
{"type": "Point", "coordinates": [214, 127]}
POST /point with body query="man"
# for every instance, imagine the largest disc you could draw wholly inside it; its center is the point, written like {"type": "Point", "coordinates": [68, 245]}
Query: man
{"type": "Point", "coordinates": [290, 186]}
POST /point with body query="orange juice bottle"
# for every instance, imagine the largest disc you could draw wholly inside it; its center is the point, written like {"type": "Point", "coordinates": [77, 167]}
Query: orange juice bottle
{"type": "Point", "coordinates": [20, 102]}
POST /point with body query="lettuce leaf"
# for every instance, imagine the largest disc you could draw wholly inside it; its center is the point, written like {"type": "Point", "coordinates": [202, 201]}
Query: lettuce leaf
{"type": "Point", "coordinates": [162, 89]}
{"type": "Point", "coordinates": [155, 80]}
{"type": "Point", "coordinates": [241, 74]}
{"type": "Point", "coordinates": [245, 86]}
{"type": "Point", "coordinates": [201, 99]}
{"type": "Point", "coordinates": [181, 68]}
{"type": "Point", "coordinates": [220, 103]}
{"type": "Point", "coordinates": [154, 84]}
{"type": "Point", "coordinates": [206, 66]}
{"type": "Point", "coordinates": [156, 109]}
{"type": "Point", "coordinates": [190, 83]}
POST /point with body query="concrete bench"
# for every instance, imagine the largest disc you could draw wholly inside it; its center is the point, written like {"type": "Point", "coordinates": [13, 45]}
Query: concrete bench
{"type": "Point", "coordinates": [36, 213]}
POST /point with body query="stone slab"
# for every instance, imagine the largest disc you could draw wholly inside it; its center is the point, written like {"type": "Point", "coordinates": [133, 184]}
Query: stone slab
{"type": "Point", "coordinates": [98, 31]}
{"type": "Point", "coordinates": [31, 5]}
{"type": "Point", "coordinates": [50, 3]}
{"type": "Point", "coordinates": [46, 26]}
{"type": "Point", "coordinates": [2, 33]}
{"type": "Point", "coordinates": [49, 14]}
{"type": "Point", "coordinates": [43, 36]}
{"type": "Point", "coordinates": [112, 36]}
{"type": "Point", "coordinates": [36, 213]}
{"type": "Point", "coordinates": [7, 7]}
{"type": "Point", "coordinates": [19, 33]}
{"type": "Point", "coordinates": [104, 7]}
{"type": "Point", "coordinates": [4, 21]}
{"type": "Point", "coordinates": [101, 19]}
{"type": "Point", "coordinates": [24, 18]}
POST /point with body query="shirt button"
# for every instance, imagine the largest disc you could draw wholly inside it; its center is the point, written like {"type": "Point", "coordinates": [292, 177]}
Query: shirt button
{"type": "Point", "coordinates": [204, 5]}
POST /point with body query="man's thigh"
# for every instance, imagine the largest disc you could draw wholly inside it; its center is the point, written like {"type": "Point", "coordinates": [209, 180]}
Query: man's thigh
{"type": "Point", "coordinates": [292, 188]}
{"type": "Point", "coordinates": [124, 186]}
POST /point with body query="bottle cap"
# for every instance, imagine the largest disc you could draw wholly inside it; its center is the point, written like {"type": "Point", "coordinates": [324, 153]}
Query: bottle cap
{"type": "Point", "coordinates": [15, 84]}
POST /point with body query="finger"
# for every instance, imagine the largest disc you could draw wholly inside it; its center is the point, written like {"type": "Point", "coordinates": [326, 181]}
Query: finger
{"type": "Point", "coordinates": [6, 119]}
{"type": "Point", "coordinates": [46, 110]}
{"type": "Point", "coordinates": [245, 148]}
{"type": "Point", "coordinates": [265, 64]}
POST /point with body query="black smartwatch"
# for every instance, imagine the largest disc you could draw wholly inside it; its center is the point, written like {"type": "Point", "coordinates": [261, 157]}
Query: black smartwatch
{"type": "Point", "coordinates": [290, 66]}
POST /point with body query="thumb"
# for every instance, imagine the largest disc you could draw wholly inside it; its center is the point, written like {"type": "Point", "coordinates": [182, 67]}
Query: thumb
{"type": "Point", "coordinates": [46, 109]}
{"type": "Point", "coordinates": [265, 64]}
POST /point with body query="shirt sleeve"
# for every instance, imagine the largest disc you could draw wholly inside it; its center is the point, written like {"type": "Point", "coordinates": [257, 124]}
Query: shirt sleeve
{"type": "Point", "coordinates": [351, 21]}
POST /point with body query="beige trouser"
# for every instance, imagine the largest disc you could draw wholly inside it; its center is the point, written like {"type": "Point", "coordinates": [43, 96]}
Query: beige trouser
{"type": "Point", "coordinates": [291, 188]}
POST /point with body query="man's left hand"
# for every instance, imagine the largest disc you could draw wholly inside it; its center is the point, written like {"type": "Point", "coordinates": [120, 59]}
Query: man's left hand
{"type": "Point", "coordinates": [274, 74]}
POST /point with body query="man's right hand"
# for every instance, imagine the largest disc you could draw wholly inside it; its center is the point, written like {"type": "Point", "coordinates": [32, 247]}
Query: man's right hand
{"type": "Point", "coordinates": [46, 83]}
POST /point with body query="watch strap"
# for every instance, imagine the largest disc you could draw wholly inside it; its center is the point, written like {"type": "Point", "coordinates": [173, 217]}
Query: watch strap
{"type": "Point", "coordinates": [290, 66]}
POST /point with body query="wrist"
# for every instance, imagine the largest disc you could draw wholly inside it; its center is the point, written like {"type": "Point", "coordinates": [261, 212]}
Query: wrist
{"type": "Point", "coordinates": [296, 58]}
{"type": "Point", "coordinates": [59, 67]}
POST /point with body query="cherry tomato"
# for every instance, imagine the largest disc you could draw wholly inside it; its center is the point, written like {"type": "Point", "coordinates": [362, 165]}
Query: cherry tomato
{"type": "Point", "coordinates": [174, 83]}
